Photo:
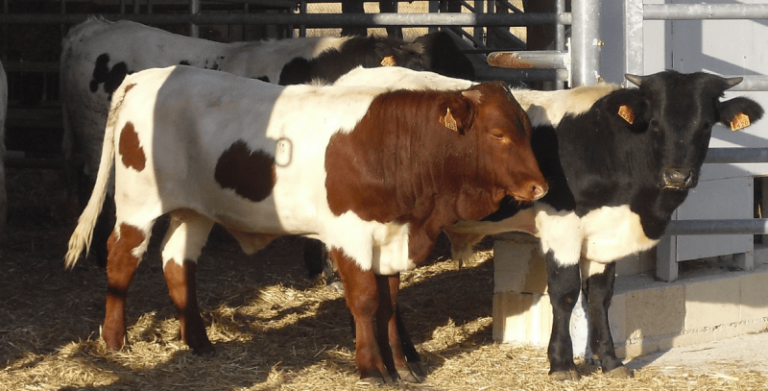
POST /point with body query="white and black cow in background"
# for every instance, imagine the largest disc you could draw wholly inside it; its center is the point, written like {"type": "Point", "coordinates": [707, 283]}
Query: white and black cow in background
{"type": "Point", "coordinates": [3, 112]}
{"type": "Point", "coordinates": [373, 173]}
{"type": "Point", "coordinates": [98, 54]}
{"type": "Point", "coordinates": [618, 162]}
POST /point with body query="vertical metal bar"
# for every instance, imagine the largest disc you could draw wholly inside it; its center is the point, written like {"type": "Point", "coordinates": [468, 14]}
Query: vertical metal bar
{"type": "Point", "coordinates": [477, 31]}
{"type": "Point", "coordinates": [585, 42]}
{"type": "Point", "coordinates": [559, 35]}
{"type": "Point", "coordinates": [136, 6]}
{"type": "Point", "coordinates": [149, 6]}
{"type": "Point", "coordinates": [194, 9]}
{"type": "Point", "coordinates": [434, 7]}
{"type": "Point", "coordinates": [666, 259]}
{"type": "Point", "coordinates": [122, 7]}
{"type": "Point", "coordinates": [303, 27]}
{"type": "Point", "coordinates": [633, 38]}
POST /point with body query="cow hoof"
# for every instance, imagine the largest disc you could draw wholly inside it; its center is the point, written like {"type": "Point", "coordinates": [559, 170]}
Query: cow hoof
{"type": "Point", "coordinates": [621, 372]}
{"type": "Point", "coordinates": [410, 375]}
{"type": "Point", "coordinates": [418, 369]}
{"type": "Point", "coordinates": [376, 378]}
{"type": "Point", "coordinates": [571, 374]}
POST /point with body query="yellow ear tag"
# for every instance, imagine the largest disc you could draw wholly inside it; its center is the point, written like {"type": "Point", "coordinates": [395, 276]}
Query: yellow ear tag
{"type": "Point", "coordinates": [627, 113]}
{"type": "Point", "coordinates": [388, 61]}
{"type": "Point", "coordinates": [740, 121]}
{"type": "Point", "coordinates": [449, 122]}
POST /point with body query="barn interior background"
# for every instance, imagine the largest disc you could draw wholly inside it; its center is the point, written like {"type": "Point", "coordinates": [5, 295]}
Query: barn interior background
{"type": "Point", "coordinates": [692, 289]}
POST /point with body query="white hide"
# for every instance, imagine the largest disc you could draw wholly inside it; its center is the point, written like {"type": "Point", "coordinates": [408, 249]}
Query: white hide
{"type": "Point", "coordinates": [260, 114]}
{"type": "Point", "coordinates": [142, 47]}
{"type": "Point", "coordinates": [3, 111]}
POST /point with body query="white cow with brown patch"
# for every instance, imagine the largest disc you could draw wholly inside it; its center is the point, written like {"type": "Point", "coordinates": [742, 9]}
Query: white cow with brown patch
{"type": "Point", "coordinates": [373, 173]}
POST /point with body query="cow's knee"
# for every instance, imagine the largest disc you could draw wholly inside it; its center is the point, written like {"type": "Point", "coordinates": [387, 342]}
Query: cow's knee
{"type": "Point", "coordinates": [564, 284]}
{"type": "Point", "coordinates": [362, 296]}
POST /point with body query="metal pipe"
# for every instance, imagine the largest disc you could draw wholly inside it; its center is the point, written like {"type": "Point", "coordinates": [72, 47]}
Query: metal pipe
{"type": "Point", "coordinates": [704, 11]}
{"type": "Point", "coordinates": [490, 73]}
{"type": "Point", "coordinates": [313, 20]}
{"type": "Point", "coordinates": [585, 42]}
{"type": "Point", "coordinates": [717, 227]}
{"type": "Point", "coordinates": [548, 59]}
{"type": "Point", "coordinates": [737, 155]}
{"type": "Point", "coordinates": [194, 9]}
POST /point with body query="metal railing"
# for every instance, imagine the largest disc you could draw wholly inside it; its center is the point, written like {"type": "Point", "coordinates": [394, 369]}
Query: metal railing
{"type": "Point", "coordinates": [635, 13]}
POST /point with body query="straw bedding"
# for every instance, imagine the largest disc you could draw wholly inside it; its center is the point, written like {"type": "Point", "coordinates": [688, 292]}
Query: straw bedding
{"type": "Point", "coordinates": [273, 329]}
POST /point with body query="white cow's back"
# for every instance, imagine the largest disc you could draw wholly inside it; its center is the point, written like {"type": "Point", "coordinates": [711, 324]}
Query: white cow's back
{"type": "Point", "coordinates": [86, 103]}
{"type": "Point", "coordinates": [184, 135]}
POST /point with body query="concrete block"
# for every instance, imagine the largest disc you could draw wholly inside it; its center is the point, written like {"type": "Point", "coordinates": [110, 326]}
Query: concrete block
{"type": "Point", "coordinates": [754, 296]}
{"type": "Point", "coordinates": [522, 317]}
{"type": "Point", "coordinates": [711, 303]}
{"type": "Point", "coordinates": [617, 318]}
{"type": "Point", "coordinates": [655, 312]}
{"type": "Point", "coordinates": [519, 266]}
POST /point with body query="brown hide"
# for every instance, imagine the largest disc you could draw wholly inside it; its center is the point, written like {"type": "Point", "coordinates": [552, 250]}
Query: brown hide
{"type": "Point", "coordinates": [402, 164]}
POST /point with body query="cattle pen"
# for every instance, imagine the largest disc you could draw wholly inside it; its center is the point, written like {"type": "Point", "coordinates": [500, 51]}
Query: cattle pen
{"type": "Point", "coordinates": [276, 330]}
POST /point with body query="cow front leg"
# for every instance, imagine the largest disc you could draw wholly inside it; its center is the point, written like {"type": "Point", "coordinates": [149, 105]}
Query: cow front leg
{"type": "Point", "coordinates": [564, 284]}
{"type": "Point", "coordinates": [361, 293]}
{"type": "Point", "coordinates": [598, 290]}
{"type": "Point", "coordinates": [121, 266]}
{"type": "Point", "coordinates": [182, 245]}
{"type": "Point", "coordinates": [389, 329]}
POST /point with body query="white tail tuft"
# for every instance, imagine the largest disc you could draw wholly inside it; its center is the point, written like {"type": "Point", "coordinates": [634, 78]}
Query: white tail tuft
{"type": "Point", "coordinates": [83, 235]}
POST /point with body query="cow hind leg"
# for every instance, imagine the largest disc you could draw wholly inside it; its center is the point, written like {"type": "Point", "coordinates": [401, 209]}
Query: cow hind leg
{"type": "Point", "coordinates": [564, 284]}
{"type": "Point", "coordinates": [125, 246]}
{"type": "Point", "coordinates": [182, 245]}
{"type": "Point", "coordinates": [598, 290]}
{"type": "Point", "coordinates": [361, 292]}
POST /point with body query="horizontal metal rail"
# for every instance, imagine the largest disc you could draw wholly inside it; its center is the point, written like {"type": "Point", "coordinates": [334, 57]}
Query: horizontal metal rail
{"type": "Point", "coordinates": [717, 227]}
{"type": "Point", "coordinates": [313, 20]}
{"type": "Point", "coordinates": [737, 155]}
{"type": "Point", "coordinates": [704, 11]}
{"type": "Point", "coordinates": [725, 227]}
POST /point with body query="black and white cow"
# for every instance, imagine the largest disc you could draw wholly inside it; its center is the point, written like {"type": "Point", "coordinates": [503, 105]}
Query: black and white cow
{"type": "Point", "coordinates": [618, 162]}
{"type": "Point", "coordinates": [98, 54]}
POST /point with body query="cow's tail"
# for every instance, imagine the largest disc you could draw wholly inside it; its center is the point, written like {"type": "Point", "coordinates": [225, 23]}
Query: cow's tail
{"type": "Point", "coordinates": [83, 235]}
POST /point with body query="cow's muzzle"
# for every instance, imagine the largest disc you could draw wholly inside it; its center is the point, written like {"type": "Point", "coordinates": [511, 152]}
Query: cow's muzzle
{"type": "Point", "coordinates": [679, 178]}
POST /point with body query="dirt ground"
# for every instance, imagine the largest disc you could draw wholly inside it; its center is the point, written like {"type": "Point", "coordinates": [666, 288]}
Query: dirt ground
{"type": "Point", "coordinates": [272, 329]}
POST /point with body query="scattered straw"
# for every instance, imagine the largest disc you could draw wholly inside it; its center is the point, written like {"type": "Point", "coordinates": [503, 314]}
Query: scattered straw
{"type": "Point", "coordinates": [271, 327]}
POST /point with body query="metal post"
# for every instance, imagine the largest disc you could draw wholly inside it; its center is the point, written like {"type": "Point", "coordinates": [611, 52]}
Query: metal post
{"type": "Point", "coordinates": [477, 31]}
{"type": "Point", "coordinates": [585, 42]}
{"type": "Point", "coordinates": [633, 38]}
{"type": "Point", "coordinates": [194, 9]}
{"type": "Point", "coordinates": [434, 7]}
{"type": "Point", "coordinates": [303, 27]}
{"type": "Point", "coordinates": [559, 35]}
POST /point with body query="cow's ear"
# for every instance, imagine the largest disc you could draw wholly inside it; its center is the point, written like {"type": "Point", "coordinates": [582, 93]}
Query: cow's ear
{"type": "Point", "coordinates": [738, 113]}
{"type": "Point", "coordinates": [628, 107]}
{"type": "Point", "coordinates": [458, 110]}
